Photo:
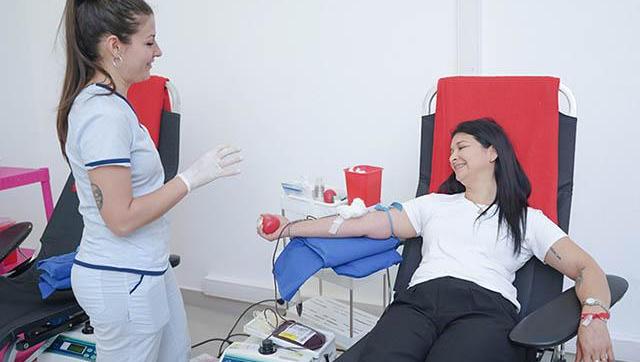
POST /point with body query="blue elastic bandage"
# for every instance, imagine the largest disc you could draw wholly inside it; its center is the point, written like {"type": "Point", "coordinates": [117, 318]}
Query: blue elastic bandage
{"type": "Point", "coordinates": [387, 209]}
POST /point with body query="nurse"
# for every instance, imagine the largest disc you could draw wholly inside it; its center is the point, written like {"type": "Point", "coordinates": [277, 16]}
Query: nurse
{"type": "Point", "coordinates": [121, 275]}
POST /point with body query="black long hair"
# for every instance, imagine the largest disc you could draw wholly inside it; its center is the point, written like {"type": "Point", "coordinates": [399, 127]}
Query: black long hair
{"type": "Point", "coordinates": [85, 22]}
{"type": "Point", "coordinates": [513, 186]}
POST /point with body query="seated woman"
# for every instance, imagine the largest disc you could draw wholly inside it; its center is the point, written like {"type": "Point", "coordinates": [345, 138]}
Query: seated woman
{"type": "Point", "coordinates": [478, 231]}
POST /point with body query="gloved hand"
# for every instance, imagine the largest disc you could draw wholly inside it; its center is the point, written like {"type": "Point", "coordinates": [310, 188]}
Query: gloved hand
{"type": "Point", "coordinates": [219, 162]}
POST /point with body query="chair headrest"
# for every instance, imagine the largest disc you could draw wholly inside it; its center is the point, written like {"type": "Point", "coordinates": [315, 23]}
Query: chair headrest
{"type": "Point", "coordinates": [149, 98]}
{"type": "Point", "coordinates": [525, 107]}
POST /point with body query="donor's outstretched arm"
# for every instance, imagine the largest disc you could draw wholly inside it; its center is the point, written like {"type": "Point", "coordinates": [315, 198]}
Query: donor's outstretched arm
{"type": "Point", "coordinates": [375, 225]}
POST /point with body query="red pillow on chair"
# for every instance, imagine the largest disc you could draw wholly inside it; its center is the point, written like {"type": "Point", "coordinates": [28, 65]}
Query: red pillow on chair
{"type": "Point", "coordinates": [149, 98]}
{"type": "Point", "coordinates": [527, 109]}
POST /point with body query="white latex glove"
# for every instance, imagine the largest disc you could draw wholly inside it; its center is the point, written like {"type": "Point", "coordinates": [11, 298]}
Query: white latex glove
{"type": "Point", "coordinates": [221, 161]}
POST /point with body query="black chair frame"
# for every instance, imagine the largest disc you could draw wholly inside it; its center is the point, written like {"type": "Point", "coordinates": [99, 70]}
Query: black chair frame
{"type": "Point", "coordinates": [549, 317]}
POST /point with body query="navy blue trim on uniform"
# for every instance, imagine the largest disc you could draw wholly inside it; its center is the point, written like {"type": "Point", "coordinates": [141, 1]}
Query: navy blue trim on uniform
{"type": "Point", "coordinates": [105, 162]}
{"type": "Point", "coordinates": [124, 270]}
{"type": "Point", "coordinates": [104, 86]}
{"type": "Point", "coordinates": [138, 284]}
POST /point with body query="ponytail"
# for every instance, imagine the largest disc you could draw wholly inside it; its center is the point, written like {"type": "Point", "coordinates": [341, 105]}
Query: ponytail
{"type": "Point", "coordinates": [85, 22]}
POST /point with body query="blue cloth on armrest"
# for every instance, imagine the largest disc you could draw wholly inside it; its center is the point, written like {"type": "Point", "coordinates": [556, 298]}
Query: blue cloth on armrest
{"type": "Point", "coordinates": [354, 257]}
{"type": "Point", "coordinates": [55, 273]}
{"type": "Point", "coordinates": [367, 265]}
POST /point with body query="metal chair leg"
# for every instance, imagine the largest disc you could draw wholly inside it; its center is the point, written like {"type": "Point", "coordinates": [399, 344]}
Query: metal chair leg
{"type": "Point", "coordinates": [558, 354]}
{"type": "Point", "coordinates": [350, 313]}
{"type": "Point", "coordinates": [384, 291]}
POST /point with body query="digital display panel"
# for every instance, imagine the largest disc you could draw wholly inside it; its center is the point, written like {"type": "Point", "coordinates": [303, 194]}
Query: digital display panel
{"type": "Point", "coordinates": [75, 348]}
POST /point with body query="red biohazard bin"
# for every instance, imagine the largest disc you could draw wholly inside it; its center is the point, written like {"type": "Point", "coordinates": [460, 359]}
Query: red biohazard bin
{"type": "Point", "coordinates": [364, 182]}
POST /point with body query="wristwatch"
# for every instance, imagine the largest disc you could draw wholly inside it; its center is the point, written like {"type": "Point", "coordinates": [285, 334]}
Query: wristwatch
{"type": "Point", "coordinates": [593, 302]}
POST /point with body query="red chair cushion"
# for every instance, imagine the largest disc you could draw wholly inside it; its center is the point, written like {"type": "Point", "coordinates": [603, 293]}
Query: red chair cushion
{"type": "Point", "coordinates": [527, 109]}
{"type": "Point", "coordinates": [149, 98]}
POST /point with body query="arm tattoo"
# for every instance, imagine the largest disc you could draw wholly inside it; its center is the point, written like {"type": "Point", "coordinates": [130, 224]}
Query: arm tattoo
{"type": "Point", "coordinates": [555, 253]}
{"type": "Point", "coordinates": [579, 279]}
{"type": "Point", "coordinates": [97, 195]}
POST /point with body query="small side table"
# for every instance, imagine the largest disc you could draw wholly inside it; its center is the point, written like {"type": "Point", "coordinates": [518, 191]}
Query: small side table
{"type": "Point", "coordinates": [12, 177]}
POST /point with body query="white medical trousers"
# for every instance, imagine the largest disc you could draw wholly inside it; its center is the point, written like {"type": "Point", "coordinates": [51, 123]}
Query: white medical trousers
{"type": "Point", "coordinates": [135, 318]}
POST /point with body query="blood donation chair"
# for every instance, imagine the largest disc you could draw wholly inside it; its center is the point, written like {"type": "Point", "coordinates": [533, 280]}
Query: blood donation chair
{"type": "Point", "coordinates": [25, 319]}
{"type": "Point", "coordinates": [548, 316]}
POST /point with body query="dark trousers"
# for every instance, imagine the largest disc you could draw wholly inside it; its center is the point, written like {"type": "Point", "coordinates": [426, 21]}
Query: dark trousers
{"type": "Point", "coordinates": [444, 320]}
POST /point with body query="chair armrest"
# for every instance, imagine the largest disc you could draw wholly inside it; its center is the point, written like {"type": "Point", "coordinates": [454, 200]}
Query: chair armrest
{"type": "Point", "coordinates": [557, 321]}
{"type": "Point", "coordinates": [174, 260]}
{"type": "Point", "coordinates": [12, 237]}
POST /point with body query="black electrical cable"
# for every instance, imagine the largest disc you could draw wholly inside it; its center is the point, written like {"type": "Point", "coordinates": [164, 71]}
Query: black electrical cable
{"type": "Point", "coordinates": [223, 340]}
{"type": "Point", "coordinates": [276, 300]}
{"type": "Point", "coordinates": [245, 312]}
{"type": "Point", "coordinates": [273, 258]}
{"type": "Point", "coordinates": [238, 321]}
{"type": "Point", "coordinates": [273, 264]}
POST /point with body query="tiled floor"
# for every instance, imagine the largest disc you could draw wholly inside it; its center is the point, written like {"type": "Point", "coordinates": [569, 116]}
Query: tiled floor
{"type": "Point", "coordinates": [213, 317]}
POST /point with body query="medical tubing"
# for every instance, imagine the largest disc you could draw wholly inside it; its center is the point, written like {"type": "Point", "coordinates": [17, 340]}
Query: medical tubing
{"type": "Point", "coordinates": [273, 264]}
{"type": "Point", "coordinates": [275, 300]}
{"type": "Point", "coordinates": [264, 313]}
{"type": "Point", "coordinates": [223, 340]}
{"type": "Point", "coordinates": [238, 321]}
{"type": "Point", "coordinates": [275, 250]}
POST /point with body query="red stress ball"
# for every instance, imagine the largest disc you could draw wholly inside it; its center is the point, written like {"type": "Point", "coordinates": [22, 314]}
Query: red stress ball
{"type": "Point", "coordinates": [329, 196]}
{"type": "Point", "coordinates": [269, 223]}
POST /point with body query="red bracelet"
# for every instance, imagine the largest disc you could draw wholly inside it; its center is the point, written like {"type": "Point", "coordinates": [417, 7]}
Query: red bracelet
{"type": "Point", "coordinates": [601, 315]}
{"type": "Point", "coordinates": [586, 318]}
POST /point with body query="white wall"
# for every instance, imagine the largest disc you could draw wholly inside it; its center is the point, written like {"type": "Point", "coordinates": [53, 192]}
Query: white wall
{"type": "Point", "coordinates": [306, 88]}
{"type": "Point", "coordinates": [32, 71]}
{"type": "Point", "coordinates": [593, 47]}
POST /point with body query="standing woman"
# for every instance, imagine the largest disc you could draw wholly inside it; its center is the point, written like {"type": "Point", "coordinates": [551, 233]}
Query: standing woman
{"type": "Point", "coordinates": [121, 275]}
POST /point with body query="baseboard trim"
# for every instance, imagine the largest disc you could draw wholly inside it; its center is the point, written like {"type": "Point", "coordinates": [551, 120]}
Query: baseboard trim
{"type": "Point", "coordinates": [235, 289]}
{"type": "Point", "coordinates": [213, 286]}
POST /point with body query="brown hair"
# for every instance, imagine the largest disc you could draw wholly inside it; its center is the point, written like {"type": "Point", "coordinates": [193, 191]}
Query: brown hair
{"type": "Point", "coordinates": [85, 23]}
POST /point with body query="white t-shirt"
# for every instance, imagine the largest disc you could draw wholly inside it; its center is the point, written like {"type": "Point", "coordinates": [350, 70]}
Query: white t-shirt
{"type": "Point", "coordinates": [104, 131]}
{"type": "Point", "coordinates": [456, 244]}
